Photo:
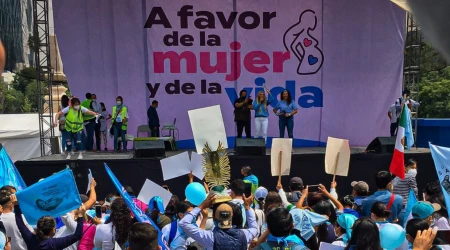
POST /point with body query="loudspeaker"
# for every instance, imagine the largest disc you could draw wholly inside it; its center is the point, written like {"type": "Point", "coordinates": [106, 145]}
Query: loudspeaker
{"type": "Point", "coordinates": [149, 149]}
{"type": "Point", "coordinates": [250, 146]}
{"type": "Point", "coordinates": [382, 145]}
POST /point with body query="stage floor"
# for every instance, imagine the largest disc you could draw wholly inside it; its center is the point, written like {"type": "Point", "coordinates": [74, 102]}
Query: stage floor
{"type": "Point", "coordinates": [129, 155]}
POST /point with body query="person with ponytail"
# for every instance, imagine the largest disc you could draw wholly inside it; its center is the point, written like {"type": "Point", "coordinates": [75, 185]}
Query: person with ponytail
{"type": "Point", "coordinates": [262, 113]}
{"type": "Point", "coordinates": [379, 213]}
{"type": "Point", "coordinates": [42, 238]}
{"type": "Point", "coordinates": [117, 229]}
{"type": "Point", "coordinates": [343, 229]}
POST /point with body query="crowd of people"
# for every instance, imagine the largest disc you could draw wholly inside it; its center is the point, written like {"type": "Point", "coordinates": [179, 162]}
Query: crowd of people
{"type": "Point", "coordinates": [82, 121]}
{"type": "Point", "coordinates": [297, 218]}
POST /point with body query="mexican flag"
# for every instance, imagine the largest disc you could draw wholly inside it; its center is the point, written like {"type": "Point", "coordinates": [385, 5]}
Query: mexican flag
{"type": "Point", "coordinates": [404, 131]}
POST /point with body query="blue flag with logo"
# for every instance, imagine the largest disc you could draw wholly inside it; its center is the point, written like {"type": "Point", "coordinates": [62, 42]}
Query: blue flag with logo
{"type": "Point", "coordinates": [53, 196]}
{"type": "Point", "coordinates": [441, 157]}
{"type": "Point", "coordinates": [138, 214]}
{"type": "Point", "coordinates": [9, 175]}
{"type": "Point", "coordinates": [412, 200]}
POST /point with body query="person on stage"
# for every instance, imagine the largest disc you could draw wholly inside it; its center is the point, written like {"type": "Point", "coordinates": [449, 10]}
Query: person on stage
{"type": "Point", "coordinates": [261, 113]}
{"type": "Point", "coordinates": [394, 115]}
{"type": "Point", "coordinates": [153, 119]}
{"type": "Point", "coordinates": [89, 123]}
{"type": "Point", "coordinates": [285, 110]}
{"type": "Point", "coordinates": [242, 115]}
{"type": "Point", "coordinates": [119, 122]}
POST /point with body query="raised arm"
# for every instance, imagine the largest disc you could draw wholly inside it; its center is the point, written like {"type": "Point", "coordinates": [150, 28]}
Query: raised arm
{"type": "Point", "coordinates": [252, 230]}
{"type": "Point", "coordinates": [27, 235]}
{"type": "Point", "coordinates": [92, 196]}
{"type": "Point", "coordinates": [61, 243]}
{"type": "Point", "coordinates": [336, 203]}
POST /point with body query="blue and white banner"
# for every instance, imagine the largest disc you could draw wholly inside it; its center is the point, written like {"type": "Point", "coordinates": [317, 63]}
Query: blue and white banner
{"type": "Point", "coordinates": [441, 157]}
{"type": "Point", "coordinates": [412, 200]}
{"type": "Point", "coordinates": [9, 175]}
{"type": "Point", "coordinates": [54, 196]}
{"type": "Point", "coordinates": [138, 214]}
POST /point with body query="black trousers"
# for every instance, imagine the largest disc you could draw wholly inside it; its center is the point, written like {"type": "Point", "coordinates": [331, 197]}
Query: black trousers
{"type": "Point", "coordinates": [394, 127]}
{"type": "Point", "coordinates": [241, 125]}
{"type": "Point", "coordinates": [154, 131]}
{"type": "Point", "coordinates": [97, 135]}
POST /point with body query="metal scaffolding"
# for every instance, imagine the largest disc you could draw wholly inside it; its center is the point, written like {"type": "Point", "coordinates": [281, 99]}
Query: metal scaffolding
{"type": "Point", "coordinates": [45, 75]}
{"type": "Point", "coordinates": [411, 71]}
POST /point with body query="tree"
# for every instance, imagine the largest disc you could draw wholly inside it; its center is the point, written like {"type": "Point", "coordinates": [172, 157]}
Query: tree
{"type": "Point", "coordinates": [434, 94]}
{"type": "Point", "coordinates": [14, 102]}
{"type": "Point", "coordinates": [23, 78]}
{"type": "Point", "coordinates": [32, 94]}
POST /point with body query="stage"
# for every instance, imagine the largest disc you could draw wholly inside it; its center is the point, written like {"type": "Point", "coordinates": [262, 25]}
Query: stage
{"type": "Point", "coordinates": [307, 163]}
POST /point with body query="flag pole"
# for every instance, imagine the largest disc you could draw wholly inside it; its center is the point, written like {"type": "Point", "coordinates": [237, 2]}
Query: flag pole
{"type": "Point", "coordinates": [335, 166]}
{"type": "Point", "coordinates": [279, 165]}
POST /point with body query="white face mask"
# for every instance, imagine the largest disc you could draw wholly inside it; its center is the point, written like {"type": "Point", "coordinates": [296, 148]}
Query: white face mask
{"type": "Point", "coordinates": [77, 107]}
{"type": "Point", "coordinates": [412, 172]}
{"type": "Point", "coordinates": [119, 103]}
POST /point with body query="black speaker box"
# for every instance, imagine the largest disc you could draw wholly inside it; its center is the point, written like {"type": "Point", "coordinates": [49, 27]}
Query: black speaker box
{"type": "Point", "coordinates": [250, 146]}
{"type": "Point", "coordinates": [149, 149]}
{"type": "Point", "coordinates": [381, 145]}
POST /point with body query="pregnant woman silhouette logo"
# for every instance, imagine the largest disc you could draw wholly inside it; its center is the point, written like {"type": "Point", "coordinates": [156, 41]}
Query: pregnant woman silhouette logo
{"type": "Point", "coordinates": [299, 41]}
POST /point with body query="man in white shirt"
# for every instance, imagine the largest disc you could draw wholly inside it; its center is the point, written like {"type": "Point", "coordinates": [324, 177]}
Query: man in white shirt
{"type": "Point", "coordinates": [393, 117]}
{"type": "Point", "coordinates": [9, 220]}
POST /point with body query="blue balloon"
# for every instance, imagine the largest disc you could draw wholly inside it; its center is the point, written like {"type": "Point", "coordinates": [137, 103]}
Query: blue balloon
{"type": "Point", "coordinates": [392, 236]}
{"type": "Point", "coordinates": [195, 193]}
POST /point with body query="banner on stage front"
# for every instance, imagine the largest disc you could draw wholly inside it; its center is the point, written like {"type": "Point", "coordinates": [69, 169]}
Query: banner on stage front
{"type": "Point", "coordinates": [285, 147]}
{"type": "Point", "coordinates": [337, 156]}
{"type": "Point", "coordinates": [207, 127]}
{"type": "Point", "coordinates": [53, 196]}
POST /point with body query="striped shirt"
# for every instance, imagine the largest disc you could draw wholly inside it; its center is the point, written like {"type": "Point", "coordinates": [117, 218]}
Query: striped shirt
{"type": "Point", "coordinates": [402, 187]}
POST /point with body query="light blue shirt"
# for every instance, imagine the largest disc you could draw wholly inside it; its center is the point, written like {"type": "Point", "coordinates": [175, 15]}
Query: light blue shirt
{"type": "Point", "coordinates": [206, 238]}
{"type": "Point", "coordinates": [282, 106]}
{"type": "Point", "coordinates": [383, 196]}
{"type": "Point", "coordinates": [260, 110]}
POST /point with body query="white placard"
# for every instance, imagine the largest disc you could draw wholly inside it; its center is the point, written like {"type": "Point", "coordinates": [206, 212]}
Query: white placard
{"type": "Point", "coordinates": [285, 146]}
{"type": "Point", "coordinates": [328, 246]}
{"type": "Point", "coordinates": [335, 146]}
{"type": "Point", "coordinates": [196, 165]}
{"type": "Point", "coordinates": [207, 127]}
{"type": "Point", "coordinates": [89, 181]}
{"type": "Point", "coordinates": [150, 190]}
{"type": "Point", "coordinates": [175, 166]}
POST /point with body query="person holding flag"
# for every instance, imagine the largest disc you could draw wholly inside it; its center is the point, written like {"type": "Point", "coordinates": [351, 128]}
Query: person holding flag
{"type": "Point", "coordinates": [404, 133]}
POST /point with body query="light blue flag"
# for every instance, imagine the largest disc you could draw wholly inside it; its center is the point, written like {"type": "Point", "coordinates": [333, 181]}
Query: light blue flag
{"type": "Point", "coordinates": [408, 130]}
{"type": "Point", "coordinates": [412, 200]}
{"type": "Point", "coordinates": [138, 214]}
{"type": "Point", "coordinates": [53, 196]}
{"type": "Point", "coordinates": [9, 175]}
{"type": "Point", "coordinates": [441, 157]}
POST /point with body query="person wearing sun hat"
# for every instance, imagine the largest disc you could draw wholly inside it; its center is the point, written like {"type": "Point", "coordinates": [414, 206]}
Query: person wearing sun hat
{"type": "Point", "coordinates": [343, 229]}
{"type": "Point", "coordinates": [424, 210]}
{"type": "Point", "coordinates": [260, 196]}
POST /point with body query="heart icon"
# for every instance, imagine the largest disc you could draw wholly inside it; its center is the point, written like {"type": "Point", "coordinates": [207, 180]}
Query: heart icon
{"type": "Point", "coordinates": [307, 42]}
{"type": "Point", "coordinates": [312, 60]}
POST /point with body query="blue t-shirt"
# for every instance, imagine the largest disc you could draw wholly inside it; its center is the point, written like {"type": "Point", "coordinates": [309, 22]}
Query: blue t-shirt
{"type": "Point", "coordinates": [283, 107]}
{"type": "Point", "coordinates": [260, 109]}
{"type": "Point", "coordinates": [383, 196]}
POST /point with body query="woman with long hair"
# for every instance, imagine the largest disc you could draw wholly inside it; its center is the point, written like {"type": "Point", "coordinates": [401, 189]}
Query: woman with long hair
{"type": "Point", "coordinates": [42, 238]}
{"type": "Point", "coordinates": [262, 113]}
{"type": "Point", "coordinates": [285, 109]}
{"type": "Point", "coordinates": [117, 229]}
{"type": "Point", "coordinates": [365, 236]}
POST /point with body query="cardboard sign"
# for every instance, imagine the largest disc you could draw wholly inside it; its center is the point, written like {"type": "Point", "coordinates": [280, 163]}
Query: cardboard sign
{"type": "Point", "coordinates": [285, 147]}
{"type": "Point", "coordinates": [337, 157]}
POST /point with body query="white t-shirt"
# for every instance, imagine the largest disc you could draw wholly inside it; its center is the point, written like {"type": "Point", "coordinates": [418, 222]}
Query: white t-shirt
{"type": "Point", "coordinates": [442, 224]}
{"type": "Point", "coordinates": [66, 110]}
{"type": "Point", "coordinates": [69, 228]}
{"type": "Point", "coordinates": [394, 115]}
{"type": "Point", "coordinates": [105, 237]}
{"type": "Point", "coordinates": [17, 242]}
{"type": "Point", "coordinates": [103, 125]}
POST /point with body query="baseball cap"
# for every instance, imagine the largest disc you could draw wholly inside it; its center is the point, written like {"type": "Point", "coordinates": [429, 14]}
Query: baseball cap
{"type": "Point", "coordinates": [424, 209]}
{"type": "Point", "coordinates": [223, 216]}
{"type": "Point", "coordinates": [360, 186]}
{"type": "Point", "coordinates": [296, 180]}
{"type": "Point", "coordinates": [261, 193]}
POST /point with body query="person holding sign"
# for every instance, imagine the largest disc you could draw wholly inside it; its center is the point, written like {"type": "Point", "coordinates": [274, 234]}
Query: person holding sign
{"type": "Point", "coordinates": [285, 109]}
{"type": "Point", "coordinates": [42, 238]}
{"type": "Point", "coordinates": [261, 113]}
{"type": "Point", "coordinates": [74, 124]}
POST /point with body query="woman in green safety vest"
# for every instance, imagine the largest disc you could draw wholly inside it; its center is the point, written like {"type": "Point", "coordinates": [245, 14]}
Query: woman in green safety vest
{"type": "Point", "coordinates": [119, 123]}
{"type": "Point", "coordinates": [74, 125]}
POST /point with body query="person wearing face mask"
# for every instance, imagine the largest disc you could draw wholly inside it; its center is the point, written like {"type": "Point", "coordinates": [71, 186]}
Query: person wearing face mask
{"type": "Point", "coordinates": [153, 119]}
{"type": "Point", "coordinates": [173, 234]}
{"type": "Point", "coordinates": [89, 123]}
{"type": "Point", "coordinates": [96, 107]}
{"type": "Point", "coordinates": [74, 124]}
{"type": "Point", "coordinates": [119, 123]}
{"type": "Point", "coordinates": [402, 187]}
{"type": "Point", "coordinates": [424, 210]}
{"type": "Point", "coordinates": [343, 229]}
